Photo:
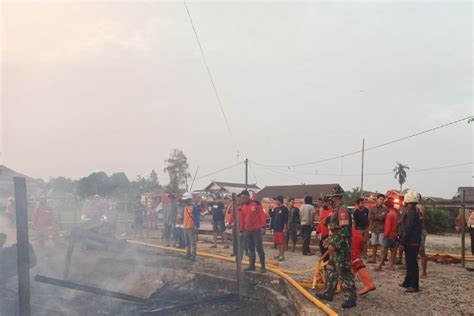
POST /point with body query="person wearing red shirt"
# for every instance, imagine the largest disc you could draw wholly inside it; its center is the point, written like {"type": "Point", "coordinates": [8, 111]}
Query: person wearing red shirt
{"type": "Point", "coordinates": [357, 265]}
{"type": "Point", "coordinates": [42, 220]}
{"type": "Point", "coordinates": [322, 228]}
{"type": "Point", "coordinates": [390, 235]}
{"type": "Point", "coordinates": [253, 225]}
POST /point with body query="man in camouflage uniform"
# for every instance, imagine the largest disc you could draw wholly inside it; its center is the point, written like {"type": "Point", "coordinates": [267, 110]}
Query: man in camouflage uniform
{"type": "Point", "coordinates": [339, 247]}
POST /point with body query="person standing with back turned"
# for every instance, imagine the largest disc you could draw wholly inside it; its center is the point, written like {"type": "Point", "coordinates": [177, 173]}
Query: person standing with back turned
{"type": "Point", "coordinates": [306, 216]}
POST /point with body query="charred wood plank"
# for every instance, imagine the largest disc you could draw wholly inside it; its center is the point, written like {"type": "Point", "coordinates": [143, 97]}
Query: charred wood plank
{"type": "Point", "coordinates": [89, 289]}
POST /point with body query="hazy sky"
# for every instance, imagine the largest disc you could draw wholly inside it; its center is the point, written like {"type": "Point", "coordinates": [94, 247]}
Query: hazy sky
{"type": "Point", "coordinates": [115, 86]}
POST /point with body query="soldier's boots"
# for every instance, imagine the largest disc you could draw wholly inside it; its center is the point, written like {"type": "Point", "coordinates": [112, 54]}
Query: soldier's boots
{"type": "Point", "coordinates": [325, 296]}
{"type": "Point", "coordinates": [351, 302]}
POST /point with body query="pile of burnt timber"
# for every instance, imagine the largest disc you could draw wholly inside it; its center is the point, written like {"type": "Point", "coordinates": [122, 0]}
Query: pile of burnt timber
{"type": "Point", "coordinates": [169, 299]}
{"type": "Point", "coordinates": [93, 234]}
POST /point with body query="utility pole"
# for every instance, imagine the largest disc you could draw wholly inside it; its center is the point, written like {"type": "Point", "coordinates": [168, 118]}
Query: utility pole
{"type": "Point", "coordinates": [23, 245]}
{"type": "Point", "coordinates": [194, 178]}
{"type": "Point", "coordinates": [362, 169]}
{"type": "Point", "coordinates": [246, 174]}
{"type": "Point", "coordinates": [463, 231]}
{"type": "Point", "coordinates": [236, 235]}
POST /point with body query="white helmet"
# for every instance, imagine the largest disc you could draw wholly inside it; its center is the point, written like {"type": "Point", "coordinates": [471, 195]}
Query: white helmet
{"type": "Point", "coordinates": [411, 197]}
{"type": "Point", "coordinates": [187, 196]}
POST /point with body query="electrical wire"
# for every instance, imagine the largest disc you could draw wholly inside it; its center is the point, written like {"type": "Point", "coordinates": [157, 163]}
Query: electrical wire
{"type": "Point", "coordinates": [315, 173]}
{"type": "Point", "coordinates": [256, 177]}
{"type": "Point", "coordinates": [220, 170]}
{"type": "Point", "coordinates": [219, 102]}
{"type": "Point", "coordinates": [369, 148]}
{"type": "Point", "coordinates": [268, 170]}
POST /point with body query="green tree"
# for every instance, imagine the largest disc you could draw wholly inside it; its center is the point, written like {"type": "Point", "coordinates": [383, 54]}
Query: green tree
{"type": "Point", "coordinates": [438, 219]}
{"type": "Point", "coordinates": [153, 183]}
{"type": "Point", "coordinates": [401, 174]}
{"type": "Point", "coordinates": [95, 183]}
{"type": "Point", "coordinates": [119, 185]}
{"type": "Point", "coordinates": [61, 185]}
{"type": "Point", "coordinates": [177, 169]}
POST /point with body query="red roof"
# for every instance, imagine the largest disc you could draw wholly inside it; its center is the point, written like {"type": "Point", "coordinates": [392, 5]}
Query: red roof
{"type": "Point", "coordinates": [297, 191]}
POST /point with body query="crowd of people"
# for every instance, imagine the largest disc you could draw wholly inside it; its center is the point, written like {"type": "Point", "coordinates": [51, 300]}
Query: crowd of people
{"type": "Point", "coordinates": [343, 235]}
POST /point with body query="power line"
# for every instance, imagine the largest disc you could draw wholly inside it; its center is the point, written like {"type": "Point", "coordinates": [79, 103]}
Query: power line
{"type": "Point", "coordinates": [219, 171]}
{"type": "Point", "coordinates": [369, 148]}
{"type": "Point", "coordinates": [269, 170]}
{"type": "Point", "coordinates": [254, 173]}
{"type": "Point", "coordinates": [203, 56]}
{"type": "Point", "coordinates": [315, 173]}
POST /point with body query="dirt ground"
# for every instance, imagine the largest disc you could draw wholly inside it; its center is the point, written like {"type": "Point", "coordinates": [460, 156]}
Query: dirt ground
{"type": "Point", "coordinates": [446, 291]}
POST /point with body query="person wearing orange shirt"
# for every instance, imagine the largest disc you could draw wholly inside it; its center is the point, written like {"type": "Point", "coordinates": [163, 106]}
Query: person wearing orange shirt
{"type": "Point", "coordinates": [190, 225]}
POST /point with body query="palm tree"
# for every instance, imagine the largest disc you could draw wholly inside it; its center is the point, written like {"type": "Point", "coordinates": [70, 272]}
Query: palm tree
{"type": "Point", "coordinates": [401, 174]}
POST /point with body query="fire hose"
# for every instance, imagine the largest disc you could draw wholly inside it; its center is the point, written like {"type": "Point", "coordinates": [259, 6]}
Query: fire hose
{"type": "Point", "coordinates": [274, 270]}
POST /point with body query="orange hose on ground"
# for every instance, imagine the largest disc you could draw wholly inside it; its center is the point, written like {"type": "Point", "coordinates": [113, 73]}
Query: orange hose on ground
{"type": "Point", "coordinates": [276, 271]}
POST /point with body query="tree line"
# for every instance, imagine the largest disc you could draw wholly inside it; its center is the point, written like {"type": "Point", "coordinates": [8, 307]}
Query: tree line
{"type": "Point", "coordinates": [119, 186]}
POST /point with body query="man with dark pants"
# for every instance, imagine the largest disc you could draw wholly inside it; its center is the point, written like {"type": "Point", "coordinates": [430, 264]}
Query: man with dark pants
{"type": "Point", "coordinates": [253, 225]}
{"type": "Point", "coordinates": [218, 222]}
{"type": "Point", "coordinates": [410, 237]}
{"type": "Point", "coordinates": [293, 222]}
{"type": "Point", "coordinates": [306, 216]}
{"type": "Point", "coordinates": [339, 245]}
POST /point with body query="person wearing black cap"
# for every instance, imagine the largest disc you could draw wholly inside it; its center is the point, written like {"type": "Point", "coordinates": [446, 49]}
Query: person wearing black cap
{"type": "Point", "coordinates": [280, 226]}
{"type": "Point", "coordinates": [306, 215]}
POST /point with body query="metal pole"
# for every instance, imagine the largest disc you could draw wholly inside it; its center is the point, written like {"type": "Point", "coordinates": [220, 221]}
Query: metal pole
{"type": "Point", "coordinates": [237, 238]}
{"type": "Point", "coordinates": [362, 169]}
{"type": "Point", "coordinates": [246, 174]}
{"type": "Point", "coordinates": [463, 231]}
{"type": "Point", "coordinates": [23, 245]}
{"type": "Point", "coordinates": [194, 178]}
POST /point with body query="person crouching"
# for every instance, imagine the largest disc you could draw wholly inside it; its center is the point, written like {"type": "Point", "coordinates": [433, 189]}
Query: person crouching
{"type": "Point", "coordinates": [357, 265]}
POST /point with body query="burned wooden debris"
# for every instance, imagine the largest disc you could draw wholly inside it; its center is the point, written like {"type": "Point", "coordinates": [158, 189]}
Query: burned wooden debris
{"type": "Point", "coordinates": [89, 289]}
